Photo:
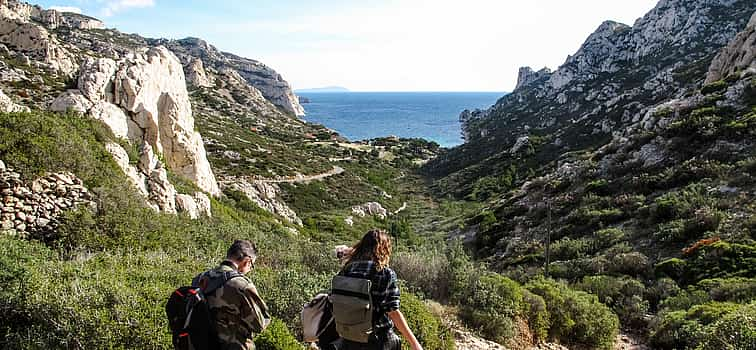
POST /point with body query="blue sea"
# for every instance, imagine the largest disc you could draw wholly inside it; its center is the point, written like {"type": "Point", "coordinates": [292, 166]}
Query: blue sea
{"type": "Point", "coordinates": [365, 115]}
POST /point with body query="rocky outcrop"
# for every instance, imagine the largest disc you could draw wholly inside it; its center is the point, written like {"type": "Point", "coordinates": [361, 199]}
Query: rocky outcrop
{"type": "Point", "coordinates": [738, 56]}
{"type": "Point", "coordinates": [265, 195]}
{"type": "Point", "coordinates": [526, 76]}
{"type": "Point", "coordinates": [8, 106]}
{"type": "Point", "coordinates": [195, 74]}
{"type": "Point", "coordinates": [614, 79]}
{"type": "Point", "coordinates": [50, 18]}
{"type": "Point", "coordinates": [256, 75]}
{"type": "Point", "coordinates": [194, 206]}
{"type": "Point", "coordinates": [18, 31]}
{"type": "Point", "coordinates": [143, 99]}
{"type": "Point", "coordinates": [270, 83]}
{"type": "Point", "coordinates": [34, 208]}
{"type": "Point", "coordinates": [370, 208]}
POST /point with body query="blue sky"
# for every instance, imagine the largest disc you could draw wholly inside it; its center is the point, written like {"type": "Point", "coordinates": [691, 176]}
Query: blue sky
{"type": "Point", "coordinates": [377, 45]}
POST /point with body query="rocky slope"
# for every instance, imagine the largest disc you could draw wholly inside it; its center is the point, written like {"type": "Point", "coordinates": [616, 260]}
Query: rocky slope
{"type": "Point", "coordinates": [159, 96]}
{"type": "Point", "coordinates": [137, 86]}
{"type": "Point", "coordinates": [628, 172]}
{"type": "Point", "coordinates": [618, 75]}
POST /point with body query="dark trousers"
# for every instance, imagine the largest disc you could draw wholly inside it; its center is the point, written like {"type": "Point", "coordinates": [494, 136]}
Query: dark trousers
{"type": "Point", "coordinates": [377, 341]}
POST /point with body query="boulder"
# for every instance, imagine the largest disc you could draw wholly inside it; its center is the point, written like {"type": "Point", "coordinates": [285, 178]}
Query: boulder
{"type": "Point", "coordinates": [186, 204]}
{"type": "Point", "coordinates": [195, 207]}
{"type": "Point", "coordinates": [370, 208]}
{"type": "Point", "coordinates": [122, 159]}
{"type": "Point", "coordinates": [71, 100]}
{"type": "Point", "coordinates": [113, 116]}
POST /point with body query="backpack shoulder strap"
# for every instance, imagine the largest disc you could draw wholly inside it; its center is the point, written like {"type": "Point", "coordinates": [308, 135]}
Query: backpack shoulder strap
{"type": "Point", "coordinates": [215, 283]}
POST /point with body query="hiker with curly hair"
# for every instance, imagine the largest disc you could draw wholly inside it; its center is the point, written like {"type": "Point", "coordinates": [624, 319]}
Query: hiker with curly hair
{"type": "Point", "coordinates": [368, 260]}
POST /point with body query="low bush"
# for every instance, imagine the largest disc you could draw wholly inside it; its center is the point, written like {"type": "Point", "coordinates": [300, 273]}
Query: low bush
{"type": "Point", "coordinates": [712, 325]}
{"type": "Point", "coordinates": [427, 272]}
{"type": "Point", "coordinates": [568, 249]}
{"type": "Point", "coordinates": [576, 317]}
{"type": "Point", "coordinates": [277, 337]}
{"type": "Point", "coordinates": [491, 303]}
{"type": "Point", "coordinates": [623, 294]}
{"type": "Point", "coordinates": [427, 327]}
{"type": "Point", "coordinates": [537, 315]}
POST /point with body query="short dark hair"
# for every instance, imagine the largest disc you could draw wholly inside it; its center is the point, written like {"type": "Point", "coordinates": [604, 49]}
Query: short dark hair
{"type": "Point", "coordinates": [240, 249]}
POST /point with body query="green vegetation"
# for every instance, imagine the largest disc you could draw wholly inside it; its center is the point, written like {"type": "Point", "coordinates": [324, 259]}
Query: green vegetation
{"type": "Point", "coordinates": [102, 281]}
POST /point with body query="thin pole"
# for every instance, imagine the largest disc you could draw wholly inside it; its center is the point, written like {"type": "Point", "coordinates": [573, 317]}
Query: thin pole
{"type": "Point", "coordinates": [548, 238]}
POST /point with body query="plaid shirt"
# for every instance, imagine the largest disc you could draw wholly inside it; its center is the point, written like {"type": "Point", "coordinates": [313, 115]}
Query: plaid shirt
{"type": "Point", "coordinates": [384, 291]}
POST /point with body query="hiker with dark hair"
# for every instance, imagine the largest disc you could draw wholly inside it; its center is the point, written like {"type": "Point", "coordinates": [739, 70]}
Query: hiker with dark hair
{"type": "Point", "coordinates": [235, 306]}
{"type": "Point", "coordinates": [366, 278]}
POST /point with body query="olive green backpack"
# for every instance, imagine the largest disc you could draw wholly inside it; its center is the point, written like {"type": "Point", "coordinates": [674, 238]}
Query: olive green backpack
{"type": "Point", "coordinates": [352, 307]}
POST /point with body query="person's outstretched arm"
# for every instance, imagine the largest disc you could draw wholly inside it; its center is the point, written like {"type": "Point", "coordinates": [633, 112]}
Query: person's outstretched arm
{"type": "Point", "coordinates": [401, 324]}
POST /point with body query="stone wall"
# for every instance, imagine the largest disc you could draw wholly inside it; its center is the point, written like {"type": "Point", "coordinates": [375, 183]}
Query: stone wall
{"type": "Point", "coordinates": [33, 209]}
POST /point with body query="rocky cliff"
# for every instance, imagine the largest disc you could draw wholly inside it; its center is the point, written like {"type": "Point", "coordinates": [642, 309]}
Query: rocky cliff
{"type": "Point", "coordinates": [739, 57]}
{"type": "Point", "coordinates": [614, 79]}
{"type": "Point", "coordinates": [143, 99]}
{"type": "Point", "coordinates": [158, 95]}
{"type": "Point", "coordinates": [216, 65]}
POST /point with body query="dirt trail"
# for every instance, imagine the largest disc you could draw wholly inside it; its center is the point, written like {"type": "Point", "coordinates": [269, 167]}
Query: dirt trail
{"type": "Point", "coordinates": [305, 178]}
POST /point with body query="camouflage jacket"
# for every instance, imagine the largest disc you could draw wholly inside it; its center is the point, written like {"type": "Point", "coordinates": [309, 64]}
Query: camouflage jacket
{"type": "Point", "coordinates": [237, 308]}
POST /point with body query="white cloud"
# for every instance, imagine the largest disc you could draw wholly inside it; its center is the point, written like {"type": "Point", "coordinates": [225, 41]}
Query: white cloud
{"type": "Point", "coordinates": [66, 9]}
{"type": "Point", "coordinates": [114, 6]}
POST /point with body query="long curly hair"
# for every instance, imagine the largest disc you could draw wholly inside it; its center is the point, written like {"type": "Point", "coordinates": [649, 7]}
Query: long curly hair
{"type": "Point", "coordinates": [375, 245]}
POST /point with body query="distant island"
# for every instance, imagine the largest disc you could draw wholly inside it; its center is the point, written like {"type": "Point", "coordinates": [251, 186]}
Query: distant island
{"type": "Point", "coordinates": [323, 89]}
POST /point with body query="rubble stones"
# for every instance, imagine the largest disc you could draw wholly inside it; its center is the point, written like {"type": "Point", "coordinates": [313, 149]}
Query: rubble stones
{"type": "Point", "coordinates": [33, 208]}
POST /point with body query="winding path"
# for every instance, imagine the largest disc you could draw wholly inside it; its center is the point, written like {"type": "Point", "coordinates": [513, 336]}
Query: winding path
{"type": "Point", "coordinates": [305, 178]}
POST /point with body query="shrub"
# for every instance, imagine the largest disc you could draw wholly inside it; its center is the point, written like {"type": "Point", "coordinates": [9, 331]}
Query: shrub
{"type": "Point", "coordinates": [730, 289]}
{"type": "Point", "coordinates": [606, 238]}
{"type": "Point", "coordinates": [491, 303]}
{"type": "Point", "coordinates": [568, 249]}
{"type": "Point", "coordinates": [624, 295]}
{"type": "Point", "coordinates": [735, 330]}
{"type": "Point", "coordinates": [427, 327]}
{"type": "Point", "coordinates": [673, 268]}
{"type": "Point", "coordinates": [673, 330]}
{"type": "Point", "coordinates": [600, 187]}
{"type": "Point", "coordinates": [576, 317]}
{"type": "Point", "coordinates": [277, 337]}
{"type": "Point", "coordinates": [716, 86]}
{"type": "Point", "coordinates": [706, 326]}
{"type": "Point", "coordinates": [425, 271]}
{"type": "Point", "coordinates": [538, 315]}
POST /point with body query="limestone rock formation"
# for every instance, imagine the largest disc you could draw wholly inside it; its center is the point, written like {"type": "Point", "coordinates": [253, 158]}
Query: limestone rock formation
{"type": "Point", "coordinates": [526, 76]}
{"type": "Point", "coordinates": [195, 74]}
{"type": "Point", "coordinates": [738, 56]}
{"type": "Point", "coordinates": [7, 105]}
{"type": "Point", "coordinates": [18, 31]}
{"type": "Point", "coordinates": [72, 100]}
{"type": "Point", "coordinates": [152, 89]}
{"type": "Point", "coordinates": [616, 77]}
{"type": "Point", "coordinates": [194, 207]}
{"type": "Point", "coordinates": [265, 195]}
{"type": "Point", "coordinates": [370, 208]}
{"type": "Point", "coordinates": [252, 73]}
{"type": "Point", "coordinates": [50, 18]}
{"type": "Point", "coordinates": [143, 99]}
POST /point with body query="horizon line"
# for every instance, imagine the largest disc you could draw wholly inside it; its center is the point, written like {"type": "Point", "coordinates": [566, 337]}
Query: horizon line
{"type": "Point", "coordinates": [314, 90]}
